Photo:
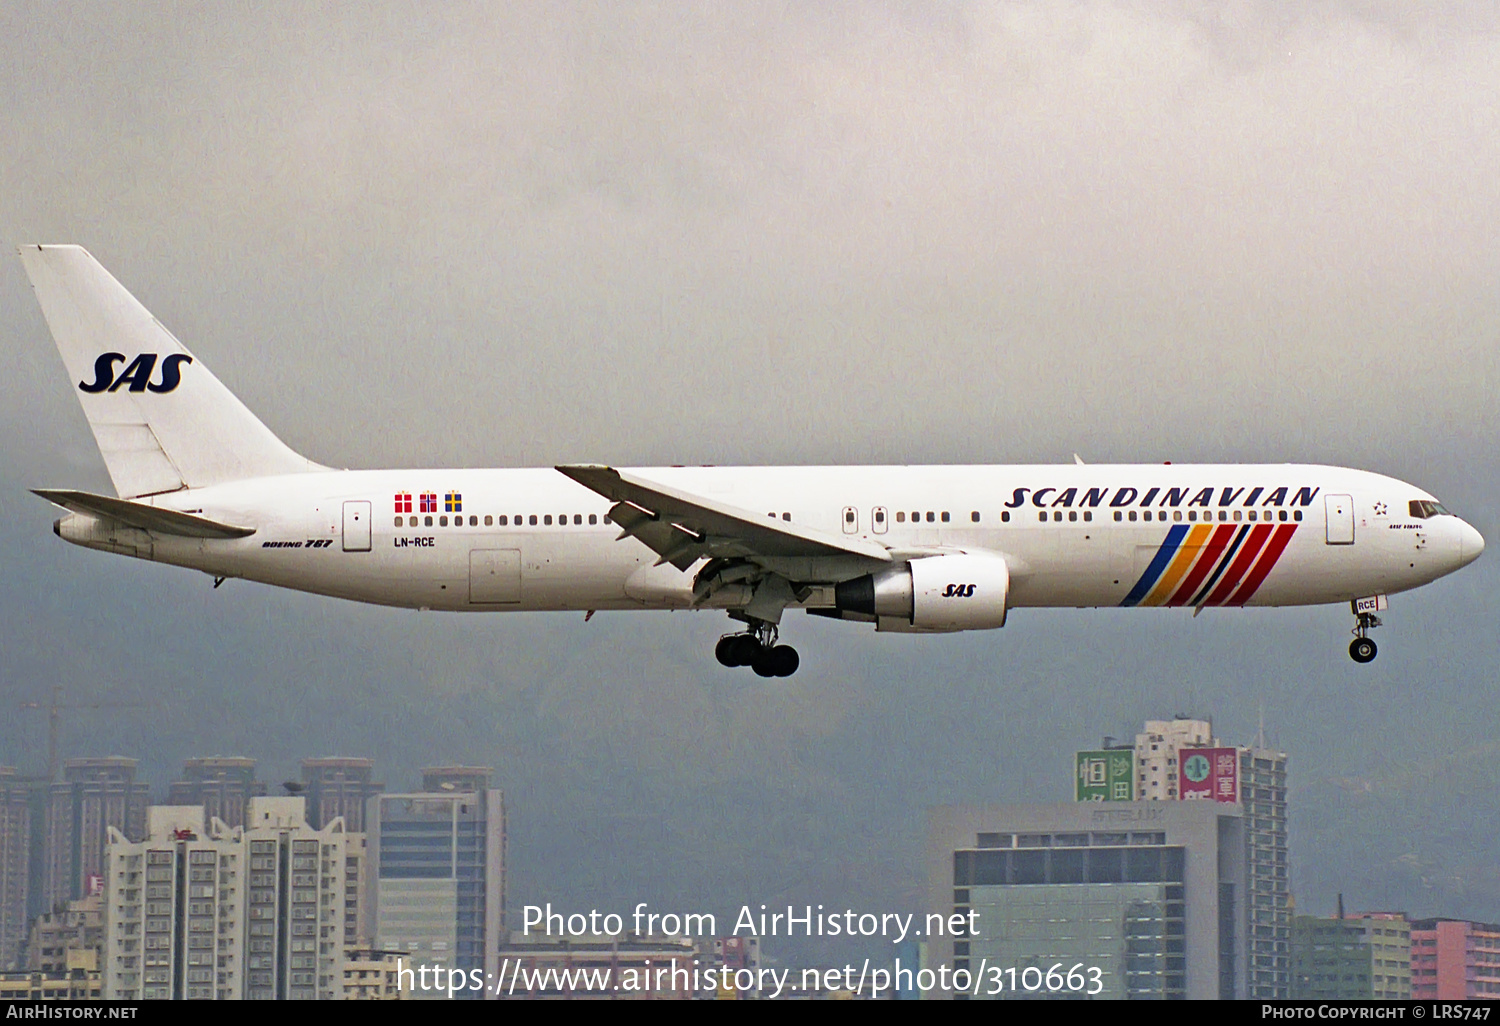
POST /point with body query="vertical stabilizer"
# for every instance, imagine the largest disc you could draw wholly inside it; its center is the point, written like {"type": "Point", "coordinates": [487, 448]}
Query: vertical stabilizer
{"type": "Point", "coordinates": [162, 421]}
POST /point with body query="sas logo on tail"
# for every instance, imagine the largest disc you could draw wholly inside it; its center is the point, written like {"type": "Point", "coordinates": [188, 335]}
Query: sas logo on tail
{"type": "Point", "coordinates": [138, 374]}
{"type": "Point", "coordinates": [959, 591]}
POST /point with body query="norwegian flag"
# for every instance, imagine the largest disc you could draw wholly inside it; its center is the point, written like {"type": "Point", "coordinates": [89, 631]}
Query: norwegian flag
{"type": "Point", "coordinates": [428, 502]}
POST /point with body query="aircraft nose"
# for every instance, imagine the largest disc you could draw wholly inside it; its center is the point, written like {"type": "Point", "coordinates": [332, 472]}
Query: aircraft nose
{"type": "Point", "coordinates": [1470, 543]}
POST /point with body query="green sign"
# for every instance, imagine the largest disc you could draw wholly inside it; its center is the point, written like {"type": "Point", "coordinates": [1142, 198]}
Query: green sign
{"type": "Point", "coordinates": [1107, 776]}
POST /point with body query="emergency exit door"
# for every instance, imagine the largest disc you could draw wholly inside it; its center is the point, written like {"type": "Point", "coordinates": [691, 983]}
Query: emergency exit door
{"type": "Point", "coordinates": [1340, 519]}
{"type": "Point", "coordinates": [357, 526]}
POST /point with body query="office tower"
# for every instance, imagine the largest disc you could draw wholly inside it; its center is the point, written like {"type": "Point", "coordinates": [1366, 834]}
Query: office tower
{"type": "Point", "coordinates": [440, 855]}
{"type": "Point", "coordinates": [1146, 892]}
{"type": "Point", "coordinates": [210, 911]}
{"type": "Point", "coordinates": [1181, 760]}
{"type": "Point", "coordinates": [94, 797]}
{"type": "Point", "coordinates": [337, 786]}
{"type": "Point", "coordinates": [1454, 960]}
{"type": "Point", "coordinates": [15, 863]}
{"type": "Point", "coordinates": [223, 785]}
{"type": "Point", "coordinates": [1352, 958]}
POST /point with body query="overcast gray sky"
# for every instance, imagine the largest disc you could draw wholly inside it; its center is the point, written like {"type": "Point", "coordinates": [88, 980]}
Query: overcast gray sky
{"type": "Point", "coordinates": [480, 235]}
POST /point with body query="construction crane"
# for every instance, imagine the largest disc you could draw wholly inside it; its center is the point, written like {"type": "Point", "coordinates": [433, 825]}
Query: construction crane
{"type": "Point", "coordinates": [56, 708]}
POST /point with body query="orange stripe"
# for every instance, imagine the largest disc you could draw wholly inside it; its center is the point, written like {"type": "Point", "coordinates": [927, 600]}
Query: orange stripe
{"type": "Point", "coordinates": [1215, 548]}
{"type": "Point", "coordinates": [1191, 547]}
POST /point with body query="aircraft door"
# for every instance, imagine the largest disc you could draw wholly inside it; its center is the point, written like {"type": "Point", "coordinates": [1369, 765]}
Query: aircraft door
{"type": "Point", "coordinates": [357, 526]}
{"type": "Point", "coordinates": [494, 576]}
{"type": "Point", "coordinates": [1340, 519]}
{"type": "Point", "coordinates": [879, 520]}
{"type": "Point", "coordinates": [851, 520]}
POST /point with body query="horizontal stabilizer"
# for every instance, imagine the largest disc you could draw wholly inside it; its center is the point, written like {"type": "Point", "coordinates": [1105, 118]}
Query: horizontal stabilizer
{"type": "Point", "coordinates": [139, 514]}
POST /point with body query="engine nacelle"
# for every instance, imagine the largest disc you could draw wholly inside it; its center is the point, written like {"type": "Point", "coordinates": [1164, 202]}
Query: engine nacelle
{"type": "Point", "coordinates": [939, 593]}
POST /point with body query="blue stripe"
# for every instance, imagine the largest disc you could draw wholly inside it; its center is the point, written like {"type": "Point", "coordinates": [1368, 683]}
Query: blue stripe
{"type": "Point", "coordinates": [1163, 557]}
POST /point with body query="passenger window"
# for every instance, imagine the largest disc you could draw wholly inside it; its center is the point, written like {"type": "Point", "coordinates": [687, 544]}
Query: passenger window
{"type": "Point", "coordinates": [547, 520]}
{"type": "Point", "coordinates": [1005, 516]}
{"type": "Point", "coordinates": [1192, 514]}
{"type": "Point", "coordinates": [427, 521]}
{"type": "Point", "coordinates": [533, 519]}
{"type": "Point", "coordinates": [1297, 514]}
{"type": "Point", "coordinates": [489, 520]}
{"type": "Point", "coordinates": [1236, 516]}
{"type": "Point", "coordinates": [1057, 516]}
{"type": "Point", "coordinates": [771, 516]}
{"type": "Point", "coordinates": [1223, 515]}
{"type": "Point", "coordinates": [945, 516]}
{"type": "Point", "coordinates": [1072, 515]}
{"type": "Point", "coordinates": [606, 519]}
{"type": "Point", "coordinates": [398, 521]}
{"type": "Point", "coordinates": [577, 519]}
{"type": "Point", "coordinates": [880, 516]}
{"type": "Point", "coordinates": [1118, 516]}
{"type": "Point", "coordinates": [1088, 516]}
{"type": "Point", "coordinates": [593, 519]}
{"type": "Point", "coordinates": [1281, 514]}
{"type": "Point", "coordinates": [848, 516]}
{"type": "Point", "coordinates": [1042, 516]}
{"type": "Point", "coordinates": [786, 516]}
{"type": "Point", "coordinates": [974, 516]}
{"type": "Point", "coordinates": [442, 521]}
{"type": "Point", "coordinates": [931, 516]}
{"type": "Point", "coordinates": [1177, 514]}
{"type": "Point", "coordinates": [900, 516]}
{"type": "Point", "coordinates": [1132, 514]}
{"type": "Point", "coordinates": [1250, 515]}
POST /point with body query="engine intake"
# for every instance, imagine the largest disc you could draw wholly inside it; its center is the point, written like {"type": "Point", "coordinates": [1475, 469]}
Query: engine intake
{"type": "Point", "coordinates": [938, 593]}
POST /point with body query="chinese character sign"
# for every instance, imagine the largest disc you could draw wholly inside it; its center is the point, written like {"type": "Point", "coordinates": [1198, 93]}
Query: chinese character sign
{"type": "Point", "coordinates": [1209, 773]}
{"type": "Point", "coordinates": [1105, 776]}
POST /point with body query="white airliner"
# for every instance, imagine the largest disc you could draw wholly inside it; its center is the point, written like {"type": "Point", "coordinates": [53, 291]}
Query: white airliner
{"type": "Point", "coordinates": [203, 484]}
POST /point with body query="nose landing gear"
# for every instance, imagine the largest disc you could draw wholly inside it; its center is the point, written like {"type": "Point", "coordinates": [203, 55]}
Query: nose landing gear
{"type": "Point", "coordinates": [757, 649]}
{"type": "Point", "coordinates": [1362, 649]}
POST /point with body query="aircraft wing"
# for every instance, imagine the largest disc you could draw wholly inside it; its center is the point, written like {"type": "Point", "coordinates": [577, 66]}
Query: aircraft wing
{"type": "Point", "coordinates": [682, 527]}
{"type": "Point", "coordinates": [142, 515]}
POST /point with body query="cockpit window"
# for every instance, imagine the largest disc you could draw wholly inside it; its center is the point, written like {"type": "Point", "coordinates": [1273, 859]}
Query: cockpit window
{"type": "Point", "coordinates": [1424, 508]}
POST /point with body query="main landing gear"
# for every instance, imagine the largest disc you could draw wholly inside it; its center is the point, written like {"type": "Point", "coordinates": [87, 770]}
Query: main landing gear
{"type": "Point", "coordinates": [757, 649]}
{"type": "Point", "coordinates": [1362, 649]}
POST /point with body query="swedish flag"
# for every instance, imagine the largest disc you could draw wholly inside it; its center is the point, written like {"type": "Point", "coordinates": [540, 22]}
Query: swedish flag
{"type": "Point", "coordinates": [453, 502]}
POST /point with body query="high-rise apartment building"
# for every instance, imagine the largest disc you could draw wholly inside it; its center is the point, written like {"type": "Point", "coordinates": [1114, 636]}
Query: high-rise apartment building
{"type": "Point", "coordinates": [1351, 958]}
{"type": "Point", "coordinates": [223, 785]}
{"type": "Point", "coordinates": [440, 892]}
{"type": "Point", "coordinates": [1454, 960]}
{"type": "Point", "coordinates": [1181, 760]}
{"type": "Point", "coordinates": [67, 939]}
{"type": "Point", "coordinates": [94, 797]}
{"type": "Point", "coordinates": [339, 786]}
{"type": "Point", "coordinates": [15, 863]}
{"type": "Point", "coordinates": [200, 911]}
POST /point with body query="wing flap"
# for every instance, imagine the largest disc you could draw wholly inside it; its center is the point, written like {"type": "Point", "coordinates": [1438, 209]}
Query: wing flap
{"type": "Point", "coordinates": [683, 527]}
{"type": "Point", "coordinates": [139, 514]}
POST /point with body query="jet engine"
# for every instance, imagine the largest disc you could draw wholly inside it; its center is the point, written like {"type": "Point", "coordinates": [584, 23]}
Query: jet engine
{"type": "Point", "coordinates": [938, 593]}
